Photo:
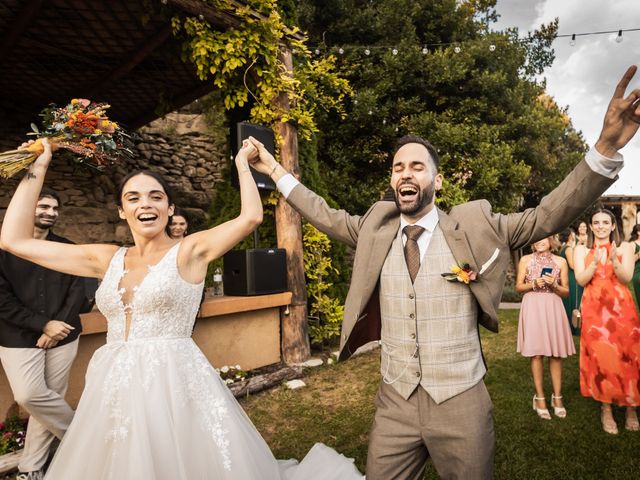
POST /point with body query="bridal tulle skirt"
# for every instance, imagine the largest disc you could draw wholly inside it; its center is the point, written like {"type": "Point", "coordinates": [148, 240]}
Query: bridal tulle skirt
{"type": "Point", "coordinates": [156, 409]}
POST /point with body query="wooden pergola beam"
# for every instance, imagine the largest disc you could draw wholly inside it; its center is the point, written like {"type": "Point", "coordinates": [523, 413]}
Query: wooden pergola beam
{"type": "Point", "coordinates": [209, 13]}
{"type": "Point", "coordinates": [53, 50]}
{"type": "Point", "coordinates": [24, 19]}
{"type": "Point", "coordinates": [175, 102]}
{"type": "Point", "coordinates": [217, 17]}
{"type": "Point", "coordinates": [134, 58]}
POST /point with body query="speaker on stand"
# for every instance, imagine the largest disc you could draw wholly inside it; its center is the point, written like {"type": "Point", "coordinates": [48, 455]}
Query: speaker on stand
{"type": "Point", "coordinates": [255, 271]}
{"type": "Point", "coordinates": [264, 135]}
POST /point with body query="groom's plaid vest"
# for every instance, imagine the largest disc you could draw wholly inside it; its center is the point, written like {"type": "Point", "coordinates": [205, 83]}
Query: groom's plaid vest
{"type": "Point", "coordinates": [429, 329]}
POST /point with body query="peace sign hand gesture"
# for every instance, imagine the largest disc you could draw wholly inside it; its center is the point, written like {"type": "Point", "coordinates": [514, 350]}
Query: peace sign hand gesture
{"type": "Point", "coordinates": [622, 119]}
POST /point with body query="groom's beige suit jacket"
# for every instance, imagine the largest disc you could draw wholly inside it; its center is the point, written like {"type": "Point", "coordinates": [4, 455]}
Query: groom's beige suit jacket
{"type": "Point", "coordinates": [474, 233]}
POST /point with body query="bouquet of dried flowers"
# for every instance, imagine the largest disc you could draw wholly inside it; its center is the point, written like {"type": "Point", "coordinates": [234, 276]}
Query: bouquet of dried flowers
{"type": "Point", "coordinates": [83, 128]}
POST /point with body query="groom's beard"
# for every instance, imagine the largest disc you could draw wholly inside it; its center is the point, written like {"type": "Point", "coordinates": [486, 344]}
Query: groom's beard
{"type": "Point", "coordinates": [424, 198]}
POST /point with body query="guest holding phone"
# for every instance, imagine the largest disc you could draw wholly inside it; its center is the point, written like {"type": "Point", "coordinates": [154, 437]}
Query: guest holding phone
{"type": "Point", "coordinates": [543, 328]}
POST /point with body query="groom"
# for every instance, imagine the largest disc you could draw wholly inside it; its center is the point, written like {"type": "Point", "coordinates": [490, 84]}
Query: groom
{"type": "Point", "coordinates": [432, 401]}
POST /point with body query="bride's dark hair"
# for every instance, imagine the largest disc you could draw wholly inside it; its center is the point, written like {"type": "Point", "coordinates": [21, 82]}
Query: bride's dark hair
{"type": "Point", "coordinates": [157, 177]}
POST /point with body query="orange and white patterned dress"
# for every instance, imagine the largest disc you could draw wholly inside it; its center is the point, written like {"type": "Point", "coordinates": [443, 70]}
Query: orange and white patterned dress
{"type": "Point", "coordinates": [610, 339]}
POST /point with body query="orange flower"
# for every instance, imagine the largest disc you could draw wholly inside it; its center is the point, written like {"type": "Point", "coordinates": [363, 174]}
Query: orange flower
{"type": "Point", "coordinates": [82, 123]}
{"type": "Point", "coordinates": [461, 273]}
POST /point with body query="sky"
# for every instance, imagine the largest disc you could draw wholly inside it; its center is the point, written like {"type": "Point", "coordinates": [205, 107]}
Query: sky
{"type": "Point", "coordinates": [584, 76]}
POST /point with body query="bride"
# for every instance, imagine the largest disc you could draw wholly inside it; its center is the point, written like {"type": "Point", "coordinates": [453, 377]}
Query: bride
{"type": "Point", "coordinates": [153, 407]}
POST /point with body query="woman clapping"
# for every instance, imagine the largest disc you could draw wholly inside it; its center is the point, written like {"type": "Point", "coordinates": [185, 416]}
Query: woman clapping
{"type": "Point", "coordinates": [609, 350]}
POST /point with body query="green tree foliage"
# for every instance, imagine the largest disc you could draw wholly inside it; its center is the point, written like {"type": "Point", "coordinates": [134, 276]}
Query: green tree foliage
{"type": "Point", "coordinates": [244, 62]}
{"type": "Point", "coordinates": [325, 312]}
{"type": "Point", "coordinates": [474, 95]}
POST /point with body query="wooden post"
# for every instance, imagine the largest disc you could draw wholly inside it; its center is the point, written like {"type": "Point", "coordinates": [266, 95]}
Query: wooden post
{"type": "Point", "coordinates": [295, 337]}
{"type": "Point", "coordinates": [629, 216]}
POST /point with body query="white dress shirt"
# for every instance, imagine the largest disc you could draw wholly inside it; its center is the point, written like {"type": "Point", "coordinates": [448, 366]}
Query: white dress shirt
{"type": "Point", "coordinates": [428, 222]}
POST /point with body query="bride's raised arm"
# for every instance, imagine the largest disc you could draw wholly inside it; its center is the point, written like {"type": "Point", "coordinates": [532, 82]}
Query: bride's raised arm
{"type": "Point", "coordinates": [18, 225]}
{"type": "Point", "coordinates": [200, 248]}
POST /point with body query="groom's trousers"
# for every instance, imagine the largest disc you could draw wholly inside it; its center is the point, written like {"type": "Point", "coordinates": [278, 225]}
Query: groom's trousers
{"type": "Point", "coordinates": [457, 434]}
{"type": "Point", "coordinates": [39, 380]}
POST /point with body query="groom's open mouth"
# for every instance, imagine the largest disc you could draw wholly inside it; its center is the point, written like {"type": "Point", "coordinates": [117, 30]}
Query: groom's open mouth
{"type": "Point", "coordinates": [407, 192]}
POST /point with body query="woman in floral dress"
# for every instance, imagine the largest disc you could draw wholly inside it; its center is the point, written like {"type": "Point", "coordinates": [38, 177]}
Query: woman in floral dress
{"type": "Point", "coordinates": [610, 337]}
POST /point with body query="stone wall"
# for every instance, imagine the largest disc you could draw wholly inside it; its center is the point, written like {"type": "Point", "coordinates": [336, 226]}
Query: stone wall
{"type": "Point", "coordinates": [190, 154]}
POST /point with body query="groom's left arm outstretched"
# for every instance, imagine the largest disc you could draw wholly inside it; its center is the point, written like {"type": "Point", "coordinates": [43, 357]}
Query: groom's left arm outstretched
{"type": "Point", "coordinates": [588, 180]}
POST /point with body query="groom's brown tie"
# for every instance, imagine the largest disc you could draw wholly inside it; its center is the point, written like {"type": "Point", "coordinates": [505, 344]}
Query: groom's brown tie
{"type": "Point", "coordinates": [411, 250]}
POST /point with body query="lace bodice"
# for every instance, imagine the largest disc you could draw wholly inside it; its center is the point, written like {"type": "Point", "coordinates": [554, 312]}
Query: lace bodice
{"type": "Point", "coordinates": [164, 305]}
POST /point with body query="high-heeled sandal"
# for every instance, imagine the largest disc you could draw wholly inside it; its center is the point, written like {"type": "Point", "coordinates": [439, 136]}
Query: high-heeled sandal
{"type": "Point", "coordinates": [608, 424]}
{"type": "Point", "coordinates": [559, 412]}
{"type": "Point", "coordinates": [631, 422]}
{"type": "Point", "coordinates": [543, 413]}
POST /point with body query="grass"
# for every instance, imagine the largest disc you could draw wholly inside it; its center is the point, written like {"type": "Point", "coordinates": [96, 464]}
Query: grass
{"type": "Point", "coordinates": [337, 408]}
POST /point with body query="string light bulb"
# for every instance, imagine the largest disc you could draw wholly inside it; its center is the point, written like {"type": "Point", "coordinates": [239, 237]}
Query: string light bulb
{"type": "Point", "coordinates": [457, 46]}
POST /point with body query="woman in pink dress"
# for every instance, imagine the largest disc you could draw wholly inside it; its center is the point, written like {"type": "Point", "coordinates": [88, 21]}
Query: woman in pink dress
{"type": "Point", "coordinates": [543, 328]}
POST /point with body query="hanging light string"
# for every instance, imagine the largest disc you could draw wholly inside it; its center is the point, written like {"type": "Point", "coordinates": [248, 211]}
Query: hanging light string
{"type": "Point", "coordinates": [604, 32]}
{"type": "Point", "coordinates": [425, 48]}
{"type": "Point", "coordinates": [429, 47]}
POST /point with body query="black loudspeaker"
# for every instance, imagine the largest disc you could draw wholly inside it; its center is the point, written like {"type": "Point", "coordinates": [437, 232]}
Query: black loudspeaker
{"type": "Point", "coordinates": [256, 271]}
{"type": "Point", "coordinates": [265, 136]}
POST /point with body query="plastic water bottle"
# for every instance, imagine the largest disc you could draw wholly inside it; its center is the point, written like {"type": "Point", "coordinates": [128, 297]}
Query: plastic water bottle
{"type": "Point", "coordinates": [218, 290]}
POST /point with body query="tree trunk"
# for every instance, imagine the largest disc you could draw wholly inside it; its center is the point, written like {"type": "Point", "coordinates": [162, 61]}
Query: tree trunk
{"type": "Point", "coordinates": [295, 338]}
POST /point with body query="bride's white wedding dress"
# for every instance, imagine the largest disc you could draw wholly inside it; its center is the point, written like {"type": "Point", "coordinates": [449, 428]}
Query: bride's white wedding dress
{"type": "Point", "coordinates": [153, 407]}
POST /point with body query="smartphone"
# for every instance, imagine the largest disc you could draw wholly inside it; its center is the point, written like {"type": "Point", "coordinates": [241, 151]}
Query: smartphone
{"type": "Point", "coordinates": [546, 271]}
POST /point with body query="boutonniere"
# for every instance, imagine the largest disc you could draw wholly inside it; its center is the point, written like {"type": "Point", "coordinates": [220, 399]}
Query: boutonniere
{"type": "Point", "coordinates": [461, 273]}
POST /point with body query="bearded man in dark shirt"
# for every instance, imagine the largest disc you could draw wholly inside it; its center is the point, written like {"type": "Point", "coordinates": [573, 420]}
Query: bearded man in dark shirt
{"type": "Point", "coordinates": [39, 329]}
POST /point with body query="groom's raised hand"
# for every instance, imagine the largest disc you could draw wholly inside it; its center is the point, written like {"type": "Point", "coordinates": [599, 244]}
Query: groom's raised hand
{"type": "Point", "coordinates": [622, 119]}
{"type": "Point", "coordinates": [265, 163]}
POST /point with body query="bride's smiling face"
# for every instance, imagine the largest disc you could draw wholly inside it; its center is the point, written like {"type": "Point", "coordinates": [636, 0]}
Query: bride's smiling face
{"type": "Point", "coordinates": [145, 206]}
